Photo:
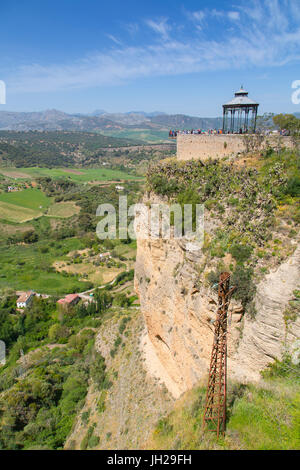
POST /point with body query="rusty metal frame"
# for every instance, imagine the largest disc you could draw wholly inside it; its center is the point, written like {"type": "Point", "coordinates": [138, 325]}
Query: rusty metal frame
{"type": "Point", "coordinates": [214, 418]}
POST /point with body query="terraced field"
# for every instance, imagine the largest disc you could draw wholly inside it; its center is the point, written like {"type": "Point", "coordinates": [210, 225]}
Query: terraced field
{"type": "Point", "coordinates": [75, 174]}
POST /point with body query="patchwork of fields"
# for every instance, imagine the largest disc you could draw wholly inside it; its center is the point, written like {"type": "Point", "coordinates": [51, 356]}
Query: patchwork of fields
{"type": "Point", "coordinates": [39, 228]}
{"type": "Point", "coordinates": [78, 175]}
{"type": "Point", "coordinates": [28, 204]}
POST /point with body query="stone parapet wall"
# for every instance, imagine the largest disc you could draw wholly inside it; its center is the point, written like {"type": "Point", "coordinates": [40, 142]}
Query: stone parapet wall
{"type": "Point", "coordinates": [203, 146]}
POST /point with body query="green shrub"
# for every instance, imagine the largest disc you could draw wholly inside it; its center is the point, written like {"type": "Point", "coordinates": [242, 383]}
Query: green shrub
{"type": "Point", "coordinates": [85, 416]}
{"type": "Point", "coordinates": [101, 401]}
{"type": "Point", "coordinates": [84, 443]}
{"type": "Point", "coordinates": [293, 187]}
{"type": "Point", "coordinates": [122, 300]}
{"type": "Point", "coordinates": [93, 441]}
{"type": "Point", "coordinates": [58, 332]}
{"type": "Point", "coordinates": [117, 342]}
{"type": "Point", "coordinates": [242, 278]}
{"type": "Point", "coordinates": [123, 324]}
{"type": "Point", "coordinates": [98, 372]}
{"type": "Point", "coordinates": [213, 278]}
{"type": "Point", "coordinates": [164, 427]}
{"type": "Point", "coordinates": [162, 185]}
{"type": "Point", "coordinates": [284, 368]}
{"type": "Point", "coordinates": [241, 253]}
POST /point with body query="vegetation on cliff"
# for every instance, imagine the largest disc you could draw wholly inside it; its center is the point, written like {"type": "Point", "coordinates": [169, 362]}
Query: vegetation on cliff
{"type": "Point", "coordinates": [252, 205]}
{"type": "Point", "coordinates": [259, 417]}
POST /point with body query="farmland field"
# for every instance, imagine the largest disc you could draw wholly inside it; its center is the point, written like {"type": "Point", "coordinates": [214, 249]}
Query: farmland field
{"type": "Point", "coordinates": [75, 174]}
{"type": "Point", "coordinates": [21, 206]}
{"type": "Point", "coordinates": [16, 213]}
{"type": "Point", "coordinates": [63, 209]}
{"type": "Point", "coordinates": [94, 274]}
{"type": "Point", "coordinates": [40, 225]}
{"type": "Point", "coordinates": [151, 136]}
{"type": "Point", "coordinates": [8, 228]}
{"type": "Point", "coordinates": [24, 266]}
{"type": "Point", "coordinates": [30, 198]}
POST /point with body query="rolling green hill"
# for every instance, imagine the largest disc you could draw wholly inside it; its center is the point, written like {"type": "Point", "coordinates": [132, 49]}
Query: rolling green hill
{"type": "Point", "coordinates": [52, 148]}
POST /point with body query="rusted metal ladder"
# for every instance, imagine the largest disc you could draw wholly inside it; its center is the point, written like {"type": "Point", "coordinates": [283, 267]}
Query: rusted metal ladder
{"type": "Point", "coordinates": [214, 418]}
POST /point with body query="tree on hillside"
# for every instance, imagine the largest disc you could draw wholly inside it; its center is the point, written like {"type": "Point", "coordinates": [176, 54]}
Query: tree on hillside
{"type": "Point", "coordinates": [265, 122]}
{"type": "Point", "coordinates": [288, 122]}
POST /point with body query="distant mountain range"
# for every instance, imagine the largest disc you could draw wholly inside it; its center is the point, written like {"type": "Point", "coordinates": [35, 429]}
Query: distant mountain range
{"type": "Point", "coordinates": [99, 121]}
{"type": "Point", "coordinates": [138, 125]}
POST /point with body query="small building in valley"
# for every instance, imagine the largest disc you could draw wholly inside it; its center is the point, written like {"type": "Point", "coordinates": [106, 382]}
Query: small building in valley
{"type": "Point", "coordinates": [68, 300]}
{"type": "Point", "coordinates": [25, 299]}
{"type": "Point", "coordinates": [105, 256]}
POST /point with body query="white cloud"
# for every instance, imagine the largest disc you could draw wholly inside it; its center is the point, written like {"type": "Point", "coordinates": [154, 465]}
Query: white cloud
{"type": "Point", "coordinates": [234, 15]}
{"type": "Point", "coordinates": [160, 27]}
{"type": "Point", "coordinates": [198, 15]}
{"type": "Point", "coordinates": [216, 13]}
{"type": "Point", "coordinates": [132, 28]}
{"type": "Point", "coordinates": [256, 40]}
{"type": "Point", "coordinates": [114, 39]}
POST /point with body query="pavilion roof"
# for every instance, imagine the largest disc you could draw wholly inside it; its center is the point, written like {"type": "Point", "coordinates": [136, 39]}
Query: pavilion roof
{"type": "Point", "coordinates": [241, 99]}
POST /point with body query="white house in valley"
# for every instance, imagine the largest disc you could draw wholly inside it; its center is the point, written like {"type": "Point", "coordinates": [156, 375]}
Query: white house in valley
{"type": "Point", "coordinates": [25, 299]}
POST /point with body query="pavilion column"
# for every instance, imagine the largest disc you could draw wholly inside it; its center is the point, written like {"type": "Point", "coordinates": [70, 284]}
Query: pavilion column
{"type": "Point", "coordinates": [255, 118]}
{"type": "Point", "coordinates": [226, 121]}
{"type": "Point", "coordinates": [246, 119]}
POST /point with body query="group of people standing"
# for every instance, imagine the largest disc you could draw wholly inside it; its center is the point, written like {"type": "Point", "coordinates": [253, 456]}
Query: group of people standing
{"type": "Point", "coordinates": [174, 133]}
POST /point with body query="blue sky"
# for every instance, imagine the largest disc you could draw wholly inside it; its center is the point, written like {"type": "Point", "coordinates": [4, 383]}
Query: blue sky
{"type": "Point", "coordinates": [172, 56]}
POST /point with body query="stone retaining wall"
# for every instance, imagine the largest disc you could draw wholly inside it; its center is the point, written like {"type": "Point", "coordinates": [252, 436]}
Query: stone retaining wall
{"type": "Point", "coordinates": [203, 146]}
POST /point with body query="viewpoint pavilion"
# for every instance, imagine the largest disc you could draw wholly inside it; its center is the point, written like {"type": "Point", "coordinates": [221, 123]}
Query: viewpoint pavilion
{"type": "Point", "coordinates": [240, 114]}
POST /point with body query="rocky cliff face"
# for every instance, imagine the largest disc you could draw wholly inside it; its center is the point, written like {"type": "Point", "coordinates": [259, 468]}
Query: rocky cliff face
{"type": "Point", "coordinates": [179, 310]}
{"type": "Point", "coordinates": [266, 338]}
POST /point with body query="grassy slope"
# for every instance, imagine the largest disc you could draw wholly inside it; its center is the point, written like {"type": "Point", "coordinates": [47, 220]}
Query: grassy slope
{"type": "Point", "coordinates": [260, 417]}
